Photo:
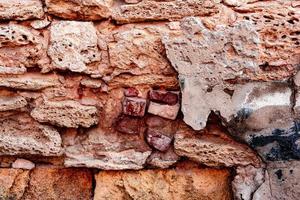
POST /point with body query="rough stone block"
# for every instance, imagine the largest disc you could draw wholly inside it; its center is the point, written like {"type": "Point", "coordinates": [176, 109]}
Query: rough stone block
{"type": "Point", "coordinates": [12, 102]}
{"type": "Point", "coordinates": [73, 184]}
{"type": "Point", "coordinates": [21, 46]}
{"type": "Point", "coordinates": [134, 106]}
{"type": "Point", "coordinates": [20, 134]}
{"type": "Point", "coordinates": [213, 150]}
{"type": "Point", "coordinates": [80, 10]}
{"type": "Point", "coordinates": [162, 10]}
{"type": "Point", "coordinates": [73, 46]}
{"type": "Point", "coordinates": [20, 9]}
{"type": "Point", "coordinates": [164, 110]}
{"type": "Point", "coordinates": [29, 81]}
{"type": "Point", "coordinates": [66, 114]}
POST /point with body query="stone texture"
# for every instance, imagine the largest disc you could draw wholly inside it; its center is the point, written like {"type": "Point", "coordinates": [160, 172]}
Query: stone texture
{"type": "Point", "coordinates": [73, 184]}
{"type": "Point", "coordinates": [130, 125]}
{"type": "Point", "coordinates": [247, 180]}
{"type": "Point", "coordinates": [163, 159]}
{"type": "Point", "coordinates": [135, 49]}
{"type": "Point", "coordinates": [174, 184]}
{"type": "Point", "coordinates": [108, 150]}
{"type": "Point", "coordinates": [20, 134]}
{"type": "Point", "coordinates": [20, 9]}
{"type": "Point", "coordinates": [73, 46]}
{"type": "Point", "coordinates": [21, 46]}
{"type": "Point", "coordinates": [23, 164]}
{"type": "Point", "coordinates": [13, 183]}
{"type": "Point", "coordinates": [213, 150]}
{"type": "Point", "coordinates": [163, 110]}
{"type": "Point", "coordinates": [134, 106]}
{"type": "Point", "coordinates": [66, 113]}
{"type": "Point", "coordinates": [162, 10]}
{"type": "Point", "coordinates": [80, 9]}
{"type": "Point", "coordinates": [202, 78]}
{"type": "Point", "coordinates": [29, 81]}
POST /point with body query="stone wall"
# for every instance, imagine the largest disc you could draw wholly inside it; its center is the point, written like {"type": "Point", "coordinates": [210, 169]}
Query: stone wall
{"type": "Point", "coordinates": [149, 99]}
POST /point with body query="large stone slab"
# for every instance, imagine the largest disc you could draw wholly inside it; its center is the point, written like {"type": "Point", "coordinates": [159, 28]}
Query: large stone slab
{"type": "Point", "coordinates": [206, 63]}
{"type": "Point", "coordinates": [79, 10]}
{"type": "Point", "coordinates": [20, 134]}
{"type": "Point", "coordinates": [107, 149]}
{"type": "Point", "coordinates": [20, 9]}
{"type": "Point", "coordinates": [53, 183]}
{"type": "Point", "coordinates": [67, 113]}
{"type": "Point", "coordinates": [193, 183]}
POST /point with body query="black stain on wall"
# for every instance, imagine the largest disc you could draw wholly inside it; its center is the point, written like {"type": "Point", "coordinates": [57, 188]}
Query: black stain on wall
{"type": "Point", "coordinates": [286, 140]}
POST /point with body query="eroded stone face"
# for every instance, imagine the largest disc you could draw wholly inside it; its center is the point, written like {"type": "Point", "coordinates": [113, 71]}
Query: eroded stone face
{"type": "Point", "coordinates": [163, 10]}
{"type": "Point", "coordinates": [175, 184]}
{"type": "Point", "coordinates": [20, 134]}
{"type": "Point", "coordinates": [80, 10]}
{"type": "Point", "coordinates": [73, 46]}
{"type": "Point", "coordinates": [108, 150]}
{"type": "Point", "coordinates": [66, 113]}
{"type": "Point", "coordinates": [281, 182]}
{"type": "Point", "coordinates": [20, 9]}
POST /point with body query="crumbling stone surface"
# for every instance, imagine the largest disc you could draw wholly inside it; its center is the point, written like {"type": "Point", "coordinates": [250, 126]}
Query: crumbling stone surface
{"type": "Point", "coordinates": [213, 150]}
{"type": "Point", "coordinates": [163, 10]}
{"type": "Point", "coordinates": [191, 183]}
{"type": "Point", "coordinates": [73, 46]}
{"type": "Point", "coordinates": [21, 10]}
{"type": "Point", "coordinates": [22, 46]}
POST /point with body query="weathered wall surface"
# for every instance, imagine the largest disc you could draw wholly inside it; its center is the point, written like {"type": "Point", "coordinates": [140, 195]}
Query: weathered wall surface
{"type": "Point", "coordinates": [149, 99]}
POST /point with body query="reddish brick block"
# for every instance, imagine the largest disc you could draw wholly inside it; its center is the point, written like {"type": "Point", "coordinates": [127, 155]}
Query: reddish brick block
{"type": "Point", "coordinates": [134, 106]}
{"type": "Point", "coordinates": [162, 96]}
